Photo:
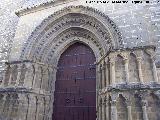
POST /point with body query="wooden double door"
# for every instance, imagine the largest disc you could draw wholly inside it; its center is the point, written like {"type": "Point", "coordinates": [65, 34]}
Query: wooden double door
{"type": "Point", "coordinates": [75, 87]}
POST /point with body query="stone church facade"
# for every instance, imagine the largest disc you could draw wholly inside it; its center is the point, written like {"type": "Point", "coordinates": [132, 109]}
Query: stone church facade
{"type": "Point", "coordinates": [125, 39]}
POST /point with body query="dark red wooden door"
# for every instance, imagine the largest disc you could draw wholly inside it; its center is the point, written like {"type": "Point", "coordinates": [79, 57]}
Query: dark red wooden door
{"type": "Point", "coordinates": [75, 89]}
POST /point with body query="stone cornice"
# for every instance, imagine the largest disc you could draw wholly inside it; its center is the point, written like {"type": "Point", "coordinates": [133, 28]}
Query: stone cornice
{"type": "Point", "coordinates": [46, 5]}
{"type": "Point", "coordinates": [131, 87]}
{"type": "Point", "coordinates": [21, 90]}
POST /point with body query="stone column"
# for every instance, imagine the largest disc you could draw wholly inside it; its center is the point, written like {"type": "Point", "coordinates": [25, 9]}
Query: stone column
{"type": "Point", "coordinates": [107, 109]}
{"type": "Point", "coordinates": [107, 74]}
{"type": "Point", "coordinates": [129, 110]}
{"type": "Point", "coordinates": [11, 75]}
{"type": "Point", "coordinates": [126, 70]}
{"type": "Point", "coordinates": [19, 74]}
{"type": "Point", "coordinates": [112, 73]}
{"type": "Point", "coordinates": [99, 77]}
{"type": "Point", "coordinates": [154, 71]}
{"type": "Point", "coordinates": [139, 60]}
{"type": "Point", "coordinates": [144, 109]}
{"type": "Point", "coordinates": [113, 110]}
{"type": "Point", "coordinates": [100, 111]}
{"type": "Point", "coordinates": [103, 76]}
{"type": "Point", "coordinates": [103, 109]}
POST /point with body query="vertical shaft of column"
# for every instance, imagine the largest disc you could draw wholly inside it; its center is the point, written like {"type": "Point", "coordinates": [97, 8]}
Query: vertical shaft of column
{"type": "Point", "coordinates": [140, 69]}
{"type": "Point", "coordinates": [126, 70]}
{"type": "Point", "coordinates": [112, 74]}
{"type": "Point", "coordinates": [102, 76]}
{"type": "Point", "coordinates": [100, 112]}
{"type": "Point", "coordinates": [35, 76]}
{"type": "Point", "coordinates": [106, 74]}
{"type": "Point", "coordinates": [11, 75]}
{"type": "Point", "coordinates": [129, 110]}
{"type": "Point", "coordinates": [155, 71]}
{"type": "Point", "coordinates": [107, 109]}
{"type": "Point", "coordinates": [103, 109]}
{"type": "Point", "coordinates": [113, 110]}
{"type": "Point", "coordinates": [105, 80]}
{"type": "Point", "coordinates": [18, 75]}
{"type": "Point", "coordinates": [144, 109]}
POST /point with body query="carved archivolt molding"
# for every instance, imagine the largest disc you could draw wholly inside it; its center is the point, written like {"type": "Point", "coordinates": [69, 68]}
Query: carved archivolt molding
{"type": "Point", "coordinates": [73, 21]}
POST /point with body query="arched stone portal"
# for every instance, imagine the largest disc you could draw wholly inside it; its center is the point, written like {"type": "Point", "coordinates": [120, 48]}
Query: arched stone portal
{"type": "Point", "coordinates": [28, 88]}
{"type": "Point", "coordinates": [42, 50]}
{"type": "Point", "coordinates": [64, 28]}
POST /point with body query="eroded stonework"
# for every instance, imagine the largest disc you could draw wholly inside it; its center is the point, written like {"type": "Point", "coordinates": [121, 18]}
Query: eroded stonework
{"type": "Point", "coordinates": [127, 78]}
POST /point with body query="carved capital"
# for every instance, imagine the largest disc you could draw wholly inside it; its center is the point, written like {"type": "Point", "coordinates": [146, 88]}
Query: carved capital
{"type": "Point", "coordinates": [113, 102]}
{"type": "Point", "coordinates": [139, 59]}
{"type": "Point", "coordinates": [128, 102]}
{"type": "Point", "coordinates": [144, 103]}
{"type": "Point", "coordinates": [126, 60]}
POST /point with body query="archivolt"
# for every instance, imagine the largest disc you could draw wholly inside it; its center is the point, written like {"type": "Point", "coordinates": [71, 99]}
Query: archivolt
{"type": "Point", "coordinates": [73, 21]}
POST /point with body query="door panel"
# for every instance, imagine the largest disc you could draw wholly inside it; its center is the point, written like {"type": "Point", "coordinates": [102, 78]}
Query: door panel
{"type": "Point", "coordinates": [75, 87]}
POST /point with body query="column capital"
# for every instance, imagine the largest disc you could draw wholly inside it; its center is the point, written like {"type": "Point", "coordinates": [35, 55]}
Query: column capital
{"type": "Point", "coordinates": [113, 102]}
{"type": "Point", "coordinates": [139, 59]}
{"type": "Point", "coordinates": [128, 102]}
{"type": "Point", "coordinates": [126, 60]}
{"type": "Point", "coordinates": [144, 103]}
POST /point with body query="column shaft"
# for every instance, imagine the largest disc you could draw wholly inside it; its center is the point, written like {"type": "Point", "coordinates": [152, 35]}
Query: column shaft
{"type": "Point", "coordinates": [113, 111]}
{"type": "Point", "coordinates": [112, 74]}
{"type": "Point", "coordinates": [145, 116]}
{"type": "Point", "coordinates": [103, 112]}
{"type": "Point", "coordinates": [100, 113]}
{"type": "Point", "coordinates": [155, 71]}
{"type": "Point", "coordinates": [129, 113]}
{"type": "Point", "coordinates": [127, 70]}
{"type": "Point", "coordinates": [103, 77]}
{"type": "Point", "coordinates": [140, 70]}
